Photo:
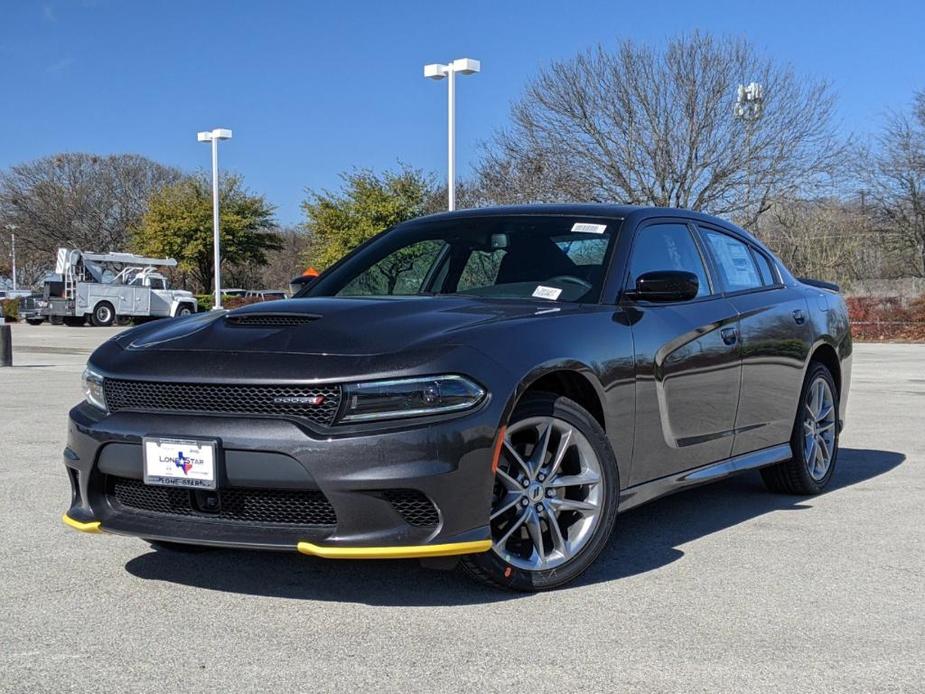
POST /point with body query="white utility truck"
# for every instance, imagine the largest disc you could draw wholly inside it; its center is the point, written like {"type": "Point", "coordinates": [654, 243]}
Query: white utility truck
{"type": "Point", "coordinates": [111, 287]}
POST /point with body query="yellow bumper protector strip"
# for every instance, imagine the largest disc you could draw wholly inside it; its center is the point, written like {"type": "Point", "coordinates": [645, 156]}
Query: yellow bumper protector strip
{"type": "Point", "coordinates": [91, 527]}
{"type": "Point", "coordinates": [406, 552]}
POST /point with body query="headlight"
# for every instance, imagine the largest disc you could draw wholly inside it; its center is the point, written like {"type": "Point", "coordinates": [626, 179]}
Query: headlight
{"type": "Point", "coordinates": [409, 397]}
{"type": "Point", "coordinates": [93, 388]}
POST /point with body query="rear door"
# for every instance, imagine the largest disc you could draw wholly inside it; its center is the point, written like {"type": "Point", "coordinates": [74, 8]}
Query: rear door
{"type": "Point", "coordinates": [775, 337]}
{"type": "Point", "coordinates": [686, 359]}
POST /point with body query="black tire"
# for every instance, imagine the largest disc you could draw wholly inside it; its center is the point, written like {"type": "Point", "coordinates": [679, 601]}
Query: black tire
{"type": "Point", "coordinates": [184, 310]}
{"type": "Point", "coordinates": [178, 547]}
{"type": "Point", "coordinates": [104, 315]}
{"type": "Point", "coordinates": [123, 320]}
{"type": "Point", "coordinates": [490, 568]}
{"type": "Point", "coordinates": [56, 320]}
{"type": "Point", "coordinates": [75, 321]}
{"type": "Point", "coordinates": [35, 321]}
{"type": "Point", "coordinates": [793, 476]}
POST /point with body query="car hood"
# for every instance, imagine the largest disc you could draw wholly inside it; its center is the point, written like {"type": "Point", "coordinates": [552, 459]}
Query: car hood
{"type": "Point", "coordinates": [335, 326]}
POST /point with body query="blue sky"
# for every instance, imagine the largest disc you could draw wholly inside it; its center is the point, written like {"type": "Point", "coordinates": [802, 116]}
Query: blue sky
{"type": "Point", "coordinates": [311, 89]}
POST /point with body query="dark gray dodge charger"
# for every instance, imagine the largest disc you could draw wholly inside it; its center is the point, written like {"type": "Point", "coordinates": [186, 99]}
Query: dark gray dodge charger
{"type": "Point", "coordinates": [488, 387]}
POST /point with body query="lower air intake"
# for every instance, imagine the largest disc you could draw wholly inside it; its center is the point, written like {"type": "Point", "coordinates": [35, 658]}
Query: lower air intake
{"type": "Point", "coordinates": [413, 506]}
{"type": "Point", "coordinates": [240, 505]}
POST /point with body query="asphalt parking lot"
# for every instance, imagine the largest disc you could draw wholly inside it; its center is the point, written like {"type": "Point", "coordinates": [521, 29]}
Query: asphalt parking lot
{"type": "Point", "coordinates": [722, 588]}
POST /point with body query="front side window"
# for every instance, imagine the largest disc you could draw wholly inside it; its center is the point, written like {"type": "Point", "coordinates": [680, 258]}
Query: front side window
{"type": "Point", "coordinates": [556, 258]}
{"type": "Point", "coordinates": [667, 247]}
{"type": "Point", "coordinates": [733, 260]}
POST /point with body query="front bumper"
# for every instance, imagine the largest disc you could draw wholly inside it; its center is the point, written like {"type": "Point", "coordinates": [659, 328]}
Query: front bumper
{"type": "Point", "coordinates": [420, 491]}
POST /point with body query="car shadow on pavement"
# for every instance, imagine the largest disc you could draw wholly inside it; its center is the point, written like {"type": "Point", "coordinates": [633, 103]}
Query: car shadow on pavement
{"type": "Point", "coordinates": [645, 539]}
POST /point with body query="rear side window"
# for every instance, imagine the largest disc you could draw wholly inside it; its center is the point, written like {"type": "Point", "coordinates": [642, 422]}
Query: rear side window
{"type": "Point", "coordinates": [768, 276]}
{"type": "Point", "coordinates": [733, 260]}
{"type": "Point", "coordinates": [667, 247]}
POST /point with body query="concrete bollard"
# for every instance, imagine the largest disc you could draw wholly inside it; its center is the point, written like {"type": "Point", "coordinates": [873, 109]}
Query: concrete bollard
{"type": "Point", "coordinates": [6, 344]}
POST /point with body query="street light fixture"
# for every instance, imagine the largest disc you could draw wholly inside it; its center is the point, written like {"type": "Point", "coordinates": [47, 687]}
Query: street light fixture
{"type": "Point", "coordinates": [214, 136]}
{"type": "Point", "coordinates": [437, 71]}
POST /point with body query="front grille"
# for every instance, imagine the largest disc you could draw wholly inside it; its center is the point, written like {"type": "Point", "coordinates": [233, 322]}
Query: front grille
{"type": "Point", "coordinates": [254, 506]}
{"type": "Point", "coordinates": [271, 320]}
{"type": "Point", "coordinates": [413, 506]}
{"type": "Point", "coordinates": [209, 398]}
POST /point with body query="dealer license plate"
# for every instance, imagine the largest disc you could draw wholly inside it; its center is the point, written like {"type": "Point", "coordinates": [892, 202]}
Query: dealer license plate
{"type": "Point", "coordinates": [180, 462]}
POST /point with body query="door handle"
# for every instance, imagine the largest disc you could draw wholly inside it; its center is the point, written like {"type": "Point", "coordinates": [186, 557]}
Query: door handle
{"type": "Point", "coordinates": [730, 335]}
{"type": "Point", "coordinates": [799, 316]}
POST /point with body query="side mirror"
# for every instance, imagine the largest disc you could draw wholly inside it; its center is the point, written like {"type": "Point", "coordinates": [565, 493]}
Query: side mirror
{"type": "Point", "coordinates": [297, 284]}
{"type": "Point", "coordinates": [665, 286]}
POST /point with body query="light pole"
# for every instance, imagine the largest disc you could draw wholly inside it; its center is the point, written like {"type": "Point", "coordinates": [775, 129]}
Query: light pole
{"type": "Point", "coordinates": [214, 136]}
{"type": "Point", "coordinates": [12, 228]}
{"type": "Point", "coordinates": [749, 108]}
{"type": "Point", "coordinates": [437, 71]}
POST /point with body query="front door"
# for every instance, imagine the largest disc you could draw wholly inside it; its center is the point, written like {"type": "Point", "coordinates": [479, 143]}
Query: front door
{"type": "Point", "coordinates": [686, 361]}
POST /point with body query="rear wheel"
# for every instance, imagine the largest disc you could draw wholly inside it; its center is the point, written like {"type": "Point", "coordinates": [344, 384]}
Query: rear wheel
{"type": "Point", "coordinates": [103, 314]}
{"type": "Point", "coordinates": [123, 320]}
{"type": "Point", "coordinates": [184, 310]}
{"type": "Point", "coordinates": [814, 441]}
{"type": "Point", "coordinates": [555, 497]}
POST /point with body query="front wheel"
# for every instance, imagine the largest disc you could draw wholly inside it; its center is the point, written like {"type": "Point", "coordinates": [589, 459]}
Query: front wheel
{"type": "Point", "coordinates": [184, 310]}
{"type": "Point", "coordinates": [555, 497]}
{"type": "Point", "coordinates": [814, 441]}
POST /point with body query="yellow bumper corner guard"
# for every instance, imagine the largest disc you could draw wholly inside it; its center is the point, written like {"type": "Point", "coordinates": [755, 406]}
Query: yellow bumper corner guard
{"type": "Point", "coordinates": [406, 552]}
{"type": "Point", "coordinates": [91, 527]}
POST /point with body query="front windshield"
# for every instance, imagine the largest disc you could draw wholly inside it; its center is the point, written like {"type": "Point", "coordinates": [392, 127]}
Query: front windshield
{"type": "Point", "coordinates": [543, 257]}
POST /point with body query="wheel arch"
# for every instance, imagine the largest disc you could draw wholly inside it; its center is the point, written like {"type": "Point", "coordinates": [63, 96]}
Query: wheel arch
{"type": "Point", "coordinates": [825, 354]}
{"type": "Point", "coordinates": [569, 378]}
{"type": "Point", "coordinates": [178, 303]}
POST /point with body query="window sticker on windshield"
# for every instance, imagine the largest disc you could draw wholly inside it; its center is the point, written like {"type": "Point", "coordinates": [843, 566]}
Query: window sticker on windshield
{"type": "Point", "coordinates": [585, 228]}
{"type": "Point", "coordinates": [542, 292]}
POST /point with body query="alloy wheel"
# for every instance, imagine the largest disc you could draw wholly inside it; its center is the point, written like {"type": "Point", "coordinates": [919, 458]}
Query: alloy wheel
{"type": "Point", "coordinates": [819, 429]}
{"type": "Point", "coordinates": [549, 494]}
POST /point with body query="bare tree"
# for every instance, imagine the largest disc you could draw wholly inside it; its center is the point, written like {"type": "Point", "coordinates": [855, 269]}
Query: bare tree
{"type": "Point", "coordinates": [640, 125]}
{"type": "Point", "coordinates": [80, 200]}
{"type": "Point", "coordinates": [31, 266]}
{"type": "Point", "coordinates": [894, 176]}
{"type": "Point", "coordinates": [825, 238]}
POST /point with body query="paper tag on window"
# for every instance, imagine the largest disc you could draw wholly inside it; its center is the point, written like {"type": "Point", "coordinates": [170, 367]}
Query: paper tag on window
{"type": "Point", "coordinates": [542, 292]}
{"type": "Point", "coordinates": [585, 228]}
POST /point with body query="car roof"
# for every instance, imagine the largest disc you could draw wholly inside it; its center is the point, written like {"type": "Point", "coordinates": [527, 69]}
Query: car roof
{"type": "Point", "coordinates": [604, 210]}
{"type": "Point", "coordinates": [574, 209]}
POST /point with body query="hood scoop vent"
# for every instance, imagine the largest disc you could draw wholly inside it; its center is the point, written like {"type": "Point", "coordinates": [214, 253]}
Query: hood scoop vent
{"type": "Point", "coordinates": [271, 320]}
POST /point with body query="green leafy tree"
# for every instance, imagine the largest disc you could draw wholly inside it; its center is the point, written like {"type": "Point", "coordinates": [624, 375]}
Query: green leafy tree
{"type": "Point", "coordinates": [178, 224]}
{"type": "Point", "coordinates": [367, 204]}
